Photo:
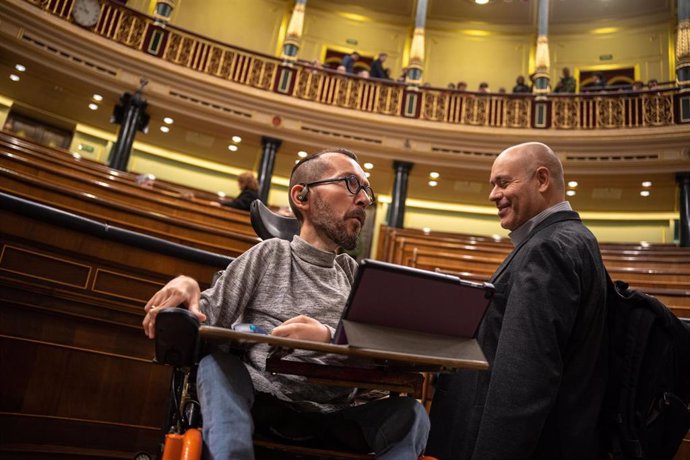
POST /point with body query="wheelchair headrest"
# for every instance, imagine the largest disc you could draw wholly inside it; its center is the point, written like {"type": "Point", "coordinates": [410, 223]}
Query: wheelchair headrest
{"type": "Point", "coordinates": [267, 224]}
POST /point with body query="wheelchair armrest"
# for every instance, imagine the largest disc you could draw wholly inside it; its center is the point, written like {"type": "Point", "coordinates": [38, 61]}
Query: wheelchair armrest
{"type": "Point", "coordinates": [177, 337]}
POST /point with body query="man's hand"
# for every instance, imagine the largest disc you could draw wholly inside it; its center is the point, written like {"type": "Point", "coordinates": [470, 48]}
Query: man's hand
{"type": "Point", "coordinates": [303, 328]}
{"type": "Point", "coordinates": [181, 290]}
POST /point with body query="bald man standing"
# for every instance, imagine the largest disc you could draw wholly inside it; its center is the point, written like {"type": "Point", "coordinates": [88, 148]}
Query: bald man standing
{"type": "Point", "coordinates": [544, 333]}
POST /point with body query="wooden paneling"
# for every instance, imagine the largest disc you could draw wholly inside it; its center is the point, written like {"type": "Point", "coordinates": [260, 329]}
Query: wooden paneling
{"type": "Point", "coordinates": [78, 377]}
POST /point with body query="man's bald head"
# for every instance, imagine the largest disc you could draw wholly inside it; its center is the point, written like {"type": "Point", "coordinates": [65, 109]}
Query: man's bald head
{"type": "Point", "coordinates": [536, 154]}
{"type": "Point", "coordinates": [526, 179]}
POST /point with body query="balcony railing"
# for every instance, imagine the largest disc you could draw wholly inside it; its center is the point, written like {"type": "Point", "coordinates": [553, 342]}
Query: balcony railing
{"type": "Point", "coordinates": [587, 111]}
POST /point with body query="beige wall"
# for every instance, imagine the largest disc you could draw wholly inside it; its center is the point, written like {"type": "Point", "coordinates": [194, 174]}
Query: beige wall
{"type": "Point", "coordinates": [460, 56]}
{"type": "Point", "coordinates": [254, 24]}
{"type": "Point", "coordinates": [646, 48]}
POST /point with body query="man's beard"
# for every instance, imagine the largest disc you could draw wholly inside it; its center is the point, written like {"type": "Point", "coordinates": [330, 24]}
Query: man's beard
{"type": "Point", "coordinates": [336, 231]}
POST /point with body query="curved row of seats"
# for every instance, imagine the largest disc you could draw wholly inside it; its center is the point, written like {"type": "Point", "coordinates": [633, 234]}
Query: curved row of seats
{"type": "Point", "coordinates": [55, 178]}
{"type": "Point", "coordinates": [660, 270]}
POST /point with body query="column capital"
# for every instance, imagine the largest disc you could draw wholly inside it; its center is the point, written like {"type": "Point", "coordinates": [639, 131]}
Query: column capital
{"type": "Point", "coordinates": [271, 141]}
{"type": "Point", "coordinates": [683, 177]}
{"type": "Point", "coordinates": [402, 166]}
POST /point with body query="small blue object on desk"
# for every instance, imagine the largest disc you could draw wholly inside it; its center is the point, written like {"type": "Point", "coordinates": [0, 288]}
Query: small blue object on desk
{"type": "Point", "coordinates": [247, 327]}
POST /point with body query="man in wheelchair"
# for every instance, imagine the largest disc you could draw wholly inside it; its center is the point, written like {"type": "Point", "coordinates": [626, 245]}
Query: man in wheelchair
{"type": "Point", "coordinates": [295, 289]}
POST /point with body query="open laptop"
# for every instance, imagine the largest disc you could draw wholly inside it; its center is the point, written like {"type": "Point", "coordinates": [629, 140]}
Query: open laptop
{"type": "Point", "coordinates": [408, 310]}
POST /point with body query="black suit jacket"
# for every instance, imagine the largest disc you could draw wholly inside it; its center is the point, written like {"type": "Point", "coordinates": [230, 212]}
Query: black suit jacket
{"type": "Point", "coordinates": [544, 335]}
{"type": "Point", "coordinates": [243, 200]}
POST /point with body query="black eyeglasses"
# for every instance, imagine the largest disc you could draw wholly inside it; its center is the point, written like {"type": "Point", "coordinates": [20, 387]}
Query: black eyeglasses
{"type": "Point", "coordinates": [353, 185]}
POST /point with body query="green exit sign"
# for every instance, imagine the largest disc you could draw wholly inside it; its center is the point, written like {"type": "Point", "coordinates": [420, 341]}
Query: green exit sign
{"type": "Point", "coordinates": [605, 57]}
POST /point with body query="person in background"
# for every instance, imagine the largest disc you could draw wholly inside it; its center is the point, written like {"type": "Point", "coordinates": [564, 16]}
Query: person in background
{"type": "Point", "coordinates": [461, 86]}
{"type": "Point", "coordinates": [483, 87]}
{"type": "Point", "coordinates": [544, 334]}
{"type": "Point", "coordinates": [653, 84]}
{"type": "Point", "coordinates": [567, 83]}
{"type": "Point", "coordinates": [599, 83]}
{"type": "Point", "coordinates": [521, 86]}
{"type": "Point", "coordinates": [146, 181]}
{"type": "Point", "coordinates": [377, 69]}
{"type": "Point", "coordinates": [249, 191]}
{"type": "Point", "coordinates": [348, 62]}
{"type": "Point", "coordinates": [637, 85]}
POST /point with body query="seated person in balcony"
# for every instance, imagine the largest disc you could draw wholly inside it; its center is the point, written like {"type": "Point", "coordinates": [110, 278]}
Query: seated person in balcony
{"type": "Point", "coordinates": [483, 87]}
{"type": "Point", "coordinates": [521, 86]}
{"type": "Point", "coordinates": [377, 69]}
{"type": "Point", "coordinates": [249, 191]}
{"type": "Point", "coordinates": [461, 86]}
{"type": "Point", "coordinates": [544, 333]}
{"type": "Point", "coordinates": [147, 181]}
{"type": "Point", "coordinates": [637, 86]}
{"type": "Point", "coordinates": [348, 62]}
{"type": "Point", "coordinates": [567, 83]}
{"type": "Point", "coordinates": [598, 84]}
{"type": "Point", "coordinates": [297, 290]}
{"type": "Point", "coordinates": [653, 84]}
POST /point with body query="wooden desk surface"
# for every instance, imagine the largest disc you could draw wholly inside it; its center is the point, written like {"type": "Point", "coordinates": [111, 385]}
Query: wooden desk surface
{"type": "Point", "coordinates": [219, 335]}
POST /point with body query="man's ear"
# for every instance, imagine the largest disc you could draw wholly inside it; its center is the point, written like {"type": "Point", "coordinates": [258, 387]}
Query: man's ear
{"type": "Point", "coordinates": [299, 195]}
{"type": "Point", "coordinates": [544, 178]}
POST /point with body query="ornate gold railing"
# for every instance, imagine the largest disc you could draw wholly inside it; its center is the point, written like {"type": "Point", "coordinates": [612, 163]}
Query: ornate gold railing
{"type": "Point", "coordinates": [566, 112]}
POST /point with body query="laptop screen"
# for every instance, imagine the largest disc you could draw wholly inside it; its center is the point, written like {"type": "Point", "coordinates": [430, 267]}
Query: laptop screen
{"type": "Point", "coordinates": [401, 297]}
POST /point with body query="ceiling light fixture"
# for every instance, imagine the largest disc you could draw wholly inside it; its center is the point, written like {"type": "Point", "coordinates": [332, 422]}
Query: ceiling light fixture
{"type": "Point", "coordinates": [232, 147]}
{"type": "Point", "coordinates": [434, 175]}
{"type": "Point", "coordinates": [647, 183]}
{"type": "Point", "coordinates": [302, 154]}
{"type": "Point", "coordinates": [481, 2]}
{"type": "Point", "coordinates": [165, 129]}
{"type": "Point", "coordinates": [20, 68]}
{"type": "Point", "coordinates": [14, 77]}
{"type": "Point", "coordinates": [93, 106]}
{"type": "Point", "coordinates": [572, 184]}
{"type": "Point", "coordinates": [97, 97]}
{"type": "Point", "coordinates": [645, 193]}
{"type": "Point", "coordinates": [367, 174]}
{"type": "Point", "coordinates": [236, 139]}
{"type": "Point", "coordinates": [433, 183]}
{"type": "Point", "coordinates": [368, 165]}
{"type": "Point", "coordinates": [571, 193]}
{"type": "Point", "coordinates": [168, 121]}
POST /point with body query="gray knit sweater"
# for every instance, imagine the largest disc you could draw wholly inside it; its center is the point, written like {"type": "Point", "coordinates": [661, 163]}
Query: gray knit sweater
{"type": "Point", "coordinates": [272, 282]}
